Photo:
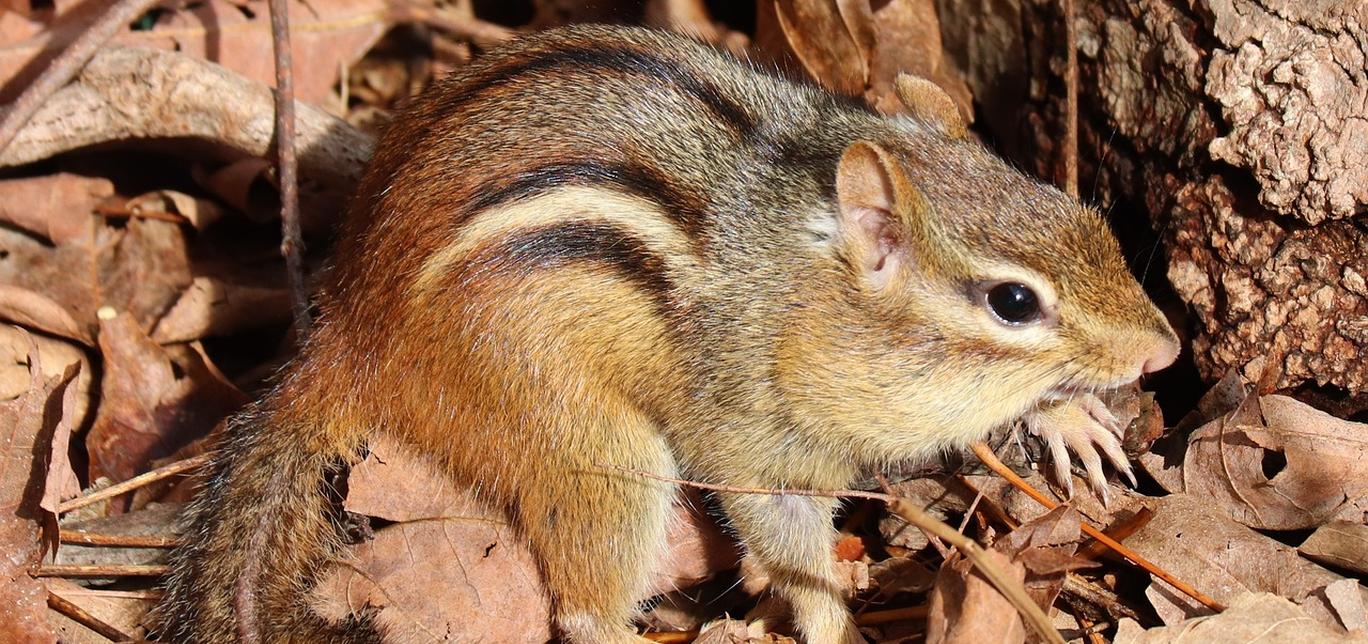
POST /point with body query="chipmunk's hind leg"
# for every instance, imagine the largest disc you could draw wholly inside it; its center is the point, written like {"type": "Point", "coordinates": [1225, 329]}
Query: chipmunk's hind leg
{"type": "Point", "coordinates": [597, 530]}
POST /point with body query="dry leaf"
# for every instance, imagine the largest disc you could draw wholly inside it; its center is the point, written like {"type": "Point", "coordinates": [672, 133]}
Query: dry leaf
{"type": "Point", "coordinates": [1341, 544]}
{"type": "Point", "coordinates": [212, 306]}
{"type": "Point", "coordinates": [140, 268]}
{"type": "Point", "coordinates": [54, 355]}
{"type": "Point", "coordinates": [465, 578]}
{"type": "Point", "coordinates": [324, 35]}
{"type": "Point", "coordinates": [1192, 538]}
{"type": "Point", "coordinates": [57, 207]}
{"type": "Point", "coordinates": [153, 400]}
{"type": "Point", "coordinates": [125, 613]}
{"type": "Point", "coordinates": [818, 34]}
{"type": "Point", "coordinates": [907, 39]}
{"type": "Point", "coordinates": [1279, 464]}
{"type": "Point", "coordinates": [966, 609]}
{"type": "Point", "coordinates": [1251, 617]}
{"type": "Point", "coordinates": [392, 484]}
{"type": "Point", "coordinates": [28, 425]}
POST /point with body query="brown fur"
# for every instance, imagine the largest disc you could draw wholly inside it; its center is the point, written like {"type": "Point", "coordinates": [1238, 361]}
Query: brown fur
{"type": "Point", "coordinates": [612, 247]}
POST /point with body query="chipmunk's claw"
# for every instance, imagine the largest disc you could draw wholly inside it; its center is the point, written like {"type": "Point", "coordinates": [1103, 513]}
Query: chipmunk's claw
{"type": "Point", "coordinates": [1086, 427]}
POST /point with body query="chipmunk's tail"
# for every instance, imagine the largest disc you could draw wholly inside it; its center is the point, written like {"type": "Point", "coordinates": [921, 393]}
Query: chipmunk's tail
{"type": "Point", "coordinates": [256, 540]}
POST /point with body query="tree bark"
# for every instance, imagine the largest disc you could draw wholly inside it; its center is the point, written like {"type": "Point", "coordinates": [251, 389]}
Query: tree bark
{"type": "Point", "coordinates": [1238, 128]}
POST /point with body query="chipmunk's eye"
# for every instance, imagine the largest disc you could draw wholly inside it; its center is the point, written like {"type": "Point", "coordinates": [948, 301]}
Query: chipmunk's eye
{"type": "Point", "coordinates": [1014, 303]}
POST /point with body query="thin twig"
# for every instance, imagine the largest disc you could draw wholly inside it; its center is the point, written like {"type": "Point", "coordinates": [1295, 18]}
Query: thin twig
{"type": "Point", "coordinates": [990, 459]}
{"type": "Point", "coordinates": [118, 540]}
{"type": "Point", "coordinates": [81, 616]}
{"type": "Point", "coordinates": [671, 637]}
{"type": "Point", "coordinates": [66, 65]}
{"type": "Point", "coordinates": [291, 242]}
{"type": "Point", "coordinates": [170, 469]}
{"type": "Point", "coordinates": [1070, 102]}
{"type": "Point", "coordinates": [1012, 590]}
{"type": "Point", "coordinates": [92, 571]}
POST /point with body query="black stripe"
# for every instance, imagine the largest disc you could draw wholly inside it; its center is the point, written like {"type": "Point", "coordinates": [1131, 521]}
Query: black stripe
{"type": "Point", "coordinates": [582, 241]}
{"type": "Point", "coordinates": [640, 180]}
{"type": "Point", "coordinates": [618, 59]}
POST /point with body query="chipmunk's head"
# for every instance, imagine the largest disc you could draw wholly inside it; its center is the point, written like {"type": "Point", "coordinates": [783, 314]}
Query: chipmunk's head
{"type": "Point", "coordinates": [971, 293]}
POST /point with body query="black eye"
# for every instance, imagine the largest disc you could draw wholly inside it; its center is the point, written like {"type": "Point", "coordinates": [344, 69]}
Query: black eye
{"type": "Point", "coordinates": [1014, 303]}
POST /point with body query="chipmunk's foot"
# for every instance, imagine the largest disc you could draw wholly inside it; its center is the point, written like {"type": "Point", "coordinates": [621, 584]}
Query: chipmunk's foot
{"type": "Point", "coordinates": [1085, 426]}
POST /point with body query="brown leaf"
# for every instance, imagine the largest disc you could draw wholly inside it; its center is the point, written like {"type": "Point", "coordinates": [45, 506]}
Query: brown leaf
{"type": "Point", "coordinates": [1281, 465]}
{"type": "Point", "coordinates": [965, 608]}
{"type": "Point", "coordinates": [395, 485]}
{"type": "Point", "coordinates": [907, 39]}
{"type": "Point", "coordinates": [212, 306]}
{"type": "Point", "coordinates": [324, 35]}
{"type": "Point", "coordinates": [466, 578]}
{"type": "Point", "coordinates": [817, 32]}
{"type": "Point", "coordinates": [1045, 546]}
{"type": "Point", "coordinates": [1342, 544]}
{"type": "Point", "coordinates": [54, 355]}
{"type": "Point", "coordinates": [36, 311]}
{"type": "Point", "coordinates": [153, 400]}
{"type": "Point", "coordinates": [124, 613]}
{"type": "Point", "coordinates": [140, 268]}
{"type": "Point", "coordinates": [1251, 617]}
{"type": "Point", "coordinates": [57, 207]}
{"type": "Point", "coordinates": [1193, 539]}
{"type": "Point", "coordinates": [27, 427]}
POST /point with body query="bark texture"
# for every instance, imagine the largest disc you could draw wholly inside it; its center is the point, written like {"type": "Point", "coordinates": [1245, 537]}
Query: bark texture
{"type": "Point", "coordinates": [1239, 127]}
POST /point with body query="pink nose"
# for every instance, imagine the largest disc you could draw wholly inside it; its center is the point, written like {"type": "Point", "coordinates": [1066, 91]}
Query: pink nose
{"type": "Point", "coordinates": [1162, 357]}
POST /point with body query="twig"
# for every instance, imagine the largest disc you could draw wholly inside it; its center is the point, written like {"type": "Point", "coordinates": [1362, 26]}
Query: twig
{"type": "Point", "coordinates": [90, 571]}
{"type": "Point", "coordinates": [149, 595]}
{"type": "Point", "coordinates": [1010, 589]}
{"type": "Point", "coordinates": [79, 615]}
{"type": "Point", "coordinates": [990, 459]}
{"type": "Point", "coordinates": [1118, 531]}
{"type": "Point", "coordinates": [291, 242]}
{"type": "Point", "coordinates": [1070, 102]}
{"type": "Point", "coordinates": [170, 469]}
{"type": "Point", "coordinates": [67, 64]}
{"type": "Point", "coordinates": [930, 538]}
{"type": "Point", "coordinates": [118, 540]}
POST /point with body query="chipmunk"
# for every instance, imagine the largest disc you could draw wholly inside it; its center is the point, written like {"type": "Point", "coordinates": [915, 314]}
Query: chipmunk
{"type": "Point", "coordinates": [600, 252]}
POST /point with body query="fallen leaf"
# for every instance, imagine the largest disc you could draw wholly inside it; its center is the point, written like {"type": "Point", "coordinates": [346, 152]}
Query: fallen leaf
{"type": "Point", "coordinates": [140, 268]}
{"type": "Point", "coordinates": [54, 355]}
{"type": "Point", "coordinates": [393, 484]}
{"type": "Point", "coordinates": [965, 608]}
{"type": "Point", "coordinates": [57, 207]}
{"type": "Point", "coordinates": [818, 34]}
{"type": "Point", "coordinates": [153, 400]}
{"type": "Point", "coordinates": [1192, 538]}
{"type": "Point", "coordinates": [324, 35]}
{"type": "Point", "coordinates": [907, 39]}
{"type": "Point", "coordinates": [1280, 465]}
{"type": "Point", "coordinates": [36, 311]}
{"type": "Point", "coordinates": [1251, 617]}
{"type": "Point", "coordinates": [125, 613]}
{"type": "Point", "coordinates": [467, 577]}
{"type": "Point", "coordinates": [1342, 544]}
{"type": "Point", "coordinates": [212, 306]}
{"type": "Point", "coordinates": [27, 427]}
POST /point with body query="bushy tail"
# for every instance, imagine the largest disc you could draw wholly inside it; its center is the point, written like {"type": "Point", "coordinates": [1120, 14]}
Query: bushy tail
{"type": "Point", "coordinates": [256, 540]}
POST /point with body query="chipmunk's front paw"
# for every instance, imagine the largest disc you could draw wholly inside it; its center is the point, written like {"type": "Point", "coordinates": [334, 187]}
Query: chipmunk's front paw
{"type": "Point", "coordinates": [1085, 426]}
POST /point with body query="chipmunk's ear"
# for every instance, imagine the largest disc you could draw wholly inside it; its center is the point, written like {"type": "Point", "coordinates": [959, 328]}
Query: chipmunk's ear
{"type": "Point", "coordinates": [928, 103]}
{"type": "Point", "coordinates": [879, 212]}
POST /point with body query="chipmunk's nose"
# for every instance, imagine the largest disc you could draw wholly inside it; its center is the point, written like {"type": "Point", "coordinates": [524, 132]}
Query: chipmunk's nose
{"type": "Point", "coordinates": [1165, 352]}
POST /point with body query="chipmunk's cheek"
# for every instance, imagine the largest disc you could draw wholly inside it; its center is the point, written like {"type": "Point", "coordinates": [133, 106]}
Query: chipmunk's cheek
{"type": "Point", "coordinates": [1082, 425]}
